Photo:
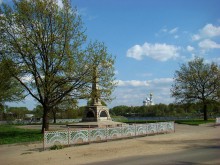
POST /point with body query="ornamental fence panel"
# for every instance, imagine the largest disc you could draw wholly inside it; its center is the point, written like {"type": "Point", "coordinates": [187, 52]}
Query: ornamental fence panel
{"type": "Point", "coordinates": [79, 136]}
{"type": "Point", "coordinates": [218, 120]}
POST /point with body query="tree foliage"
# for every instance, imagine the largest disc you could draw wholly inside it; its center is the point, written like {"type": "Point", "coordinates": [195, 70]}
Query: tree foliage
{"type": "Point", "coordinates": [18, 112]}
{"type": "Point", "coordinates": [10, 89]}
{"type": "Point", "coordinates": [197, 81]}
{"type": "Point", "coordinates": [102, 67]}
{"type": "Point", "coordinates": [189, 110]}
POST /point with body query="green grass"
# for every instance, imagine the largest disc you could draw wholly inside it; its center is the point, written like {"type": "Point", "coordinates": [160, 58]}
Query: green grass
{"type": "Point", "coordinates": [188, 122]}
{"type": "Point", "coordinates": [143, 121]}
{"type": "Point", "coordinates": [194, 122]}
{"type": "Point", "coordinates": [10, 134]}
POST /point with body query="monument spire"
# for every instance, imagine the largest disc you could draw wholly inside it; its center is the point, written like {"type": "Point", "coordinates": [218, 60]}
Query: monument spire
{"type": "Point", "coordinates": [95, 94]}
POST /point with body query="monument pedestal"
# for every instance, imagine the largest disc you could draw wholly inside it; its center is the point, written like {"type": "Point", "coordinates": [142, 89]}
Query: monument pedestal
{"type": "Point", "coordinates": [96, 113]}
{"type": "Point", "coordinates": [96, 116]}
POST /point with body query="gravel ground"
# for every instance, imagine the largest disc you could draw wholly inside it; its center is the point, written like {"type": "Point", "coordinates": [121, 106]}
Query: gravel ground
{"type": "Point", "coordinates": [184, 138]}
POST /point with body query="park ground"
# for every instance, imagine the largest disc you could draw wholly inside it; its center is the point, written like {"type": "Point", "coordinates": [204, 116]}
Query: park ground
{"type": "Point", "coordinates": [185, 139]}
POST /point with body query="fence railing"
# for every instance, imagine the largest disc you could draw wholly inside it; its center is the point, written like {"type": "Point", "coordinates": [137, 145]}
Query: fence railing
{"type": "Point", "coordinates": [71, 137]}
{"type": "Point", "coordinates": [218, 120]}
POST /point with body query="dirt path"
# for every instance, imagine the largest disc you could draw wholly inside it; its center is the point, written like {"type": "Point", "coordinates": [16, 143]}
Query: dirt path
{"type": "Point", "coordinates": [184, 138]}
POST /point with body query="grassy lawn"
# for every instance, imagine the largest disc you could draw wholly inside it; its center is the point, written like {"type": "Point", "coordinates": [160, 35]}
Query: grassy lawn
{"type": "Point", "coordinates": [141, 121]}
{"type": "Point", "coordinates": [194, 122]}
{"type": "Point", "coordinates": [188, 122]}
{"type": "Point", "coordinates": [10, 134]}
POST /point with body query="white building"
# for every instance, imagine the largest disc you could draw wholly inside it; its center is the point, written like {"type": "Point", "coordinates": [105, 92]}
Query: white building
{"type": "Point", "coordinates": [148, 101]}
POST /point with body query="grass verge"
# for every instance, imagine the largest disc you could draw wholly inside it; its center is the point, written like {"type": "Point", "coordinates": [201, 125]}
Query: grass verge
{"type": "Point", "coordinates": [10, 134]}
{"type": "Point", "coordinates": [188, 122]}
{"type": "Point", "coordinates": [195, 122]}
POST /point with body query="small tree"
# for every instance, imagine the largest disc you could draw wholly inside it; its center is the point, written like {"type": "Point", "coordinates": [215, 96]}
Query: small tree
{"type": "Point", "coordinates": [66, 105]}
{"type": "Point", "coordinates": [196, 82]}
{"type": "Point", "coordinates": [18, 112]}
{"type": "Point", "coordinates": [38, 111]}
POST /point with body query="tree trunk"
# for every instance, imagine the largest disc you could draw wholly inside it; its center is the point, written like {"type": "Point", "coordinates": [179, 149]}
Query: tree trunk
{"type": "Point", "coordinates": [45, 124]}
{"type": "Point", "coordinates": [205, 111]}
{"type": "Point", "coordinates": [54, 117]}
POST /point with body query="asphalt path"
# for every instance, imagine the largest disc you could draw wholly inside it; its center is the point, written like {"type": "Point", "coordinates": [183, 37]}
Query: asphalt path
{"type": "Point", "coordinates": [201, 155]}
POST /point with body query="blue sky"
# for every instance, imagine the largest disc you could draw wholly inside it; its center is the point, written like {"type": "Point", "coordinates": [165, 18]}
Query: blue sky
{"type": "Point", "coordinates": [150, 39]}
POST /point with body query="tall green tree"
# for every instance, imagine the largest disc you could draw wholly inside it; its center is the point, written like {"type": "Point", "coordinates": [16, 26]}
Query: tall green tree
{"type": "Point", "coordinates": [44, 41]}
{"type": "Point", "coordinates": [197, 81]}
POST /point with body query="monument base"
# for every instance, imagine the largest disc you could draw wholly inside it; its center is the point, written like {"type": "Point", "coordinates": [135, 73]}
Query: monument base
{"type": "Point", "coordinates": [96, 113]}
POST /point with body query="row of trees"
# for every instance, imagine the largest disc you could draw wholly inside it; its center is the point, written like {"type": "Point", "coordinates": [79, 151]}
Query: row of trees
{"type": "Point", "coordinates": [158, 110]}
{"type": "Point", "coordinates": [163, 110]}
{"type": "Point", "coordinates": [43, 48]}
{"type": "Point", "coordinates": [11, 113]}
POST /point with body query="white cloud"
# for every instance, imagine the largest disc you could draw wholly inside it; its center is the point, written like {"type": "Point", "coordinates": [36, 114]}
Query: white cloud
{"type": "Point", "coordinates": [174, 30]}
{"type": "Point", "coordinates": [196, 37]}
{"type": "Point", "coordinates": [129, 95]}
{"type": "Point", "coordinates": [1, 2]}
{"type": "Point", "coordinates": [157, 51]}
{"type": "Point", "coordinates": [189, 48]}
{"type": "Point", "coordinates": [160, 81]}
{"type": "Point", "coordinates": [209, 44]}
{"type": "Point", "coordinates": [135, 52]}
{"type": "Point", "coordinates": [134, 83]}
{"type": "Point", "coordinates": [211, 31]}
{"type": "Point", "coordinates": [60, 3]}
{"type": "Point", "coordinates": [208, 31]}
{"type": "Point", "coordinates": [27, 78]}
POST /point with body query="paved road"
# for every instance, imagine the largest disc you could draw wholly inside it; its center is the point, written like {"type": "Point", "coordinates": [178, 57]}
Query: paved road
{"type": "Point", "coordinates": [197, 156]}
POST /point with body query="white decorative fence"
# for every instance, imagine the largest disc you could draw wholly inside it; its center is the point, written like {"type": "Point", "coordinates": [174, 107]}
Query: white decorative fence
{"type": "Point", "coordinates": [218, 120]}
{"type": "Point", "coordinates": [71, 137]}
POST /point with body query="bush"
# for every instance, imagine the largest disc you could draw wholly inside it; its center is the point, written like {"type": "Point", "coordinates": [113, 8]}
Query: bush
{"type": "Point", "coordinates": [56, 147]}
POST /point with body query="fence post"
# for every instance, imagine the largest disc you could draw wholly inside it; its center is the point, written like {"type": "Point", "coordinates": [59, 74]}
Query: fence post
{"type": "Point", "coordinates": [135, 133]}
{"type": "Point", "coordinates": [89, 134]}
{"type": "Point", "coordinates": [68, 136]}
{"type": "Point", "coordinates": [121, 131]}
{"type": "Point", "coordinates": [44, 140]}
{"type": "Point", "coordinates": [106, 132]}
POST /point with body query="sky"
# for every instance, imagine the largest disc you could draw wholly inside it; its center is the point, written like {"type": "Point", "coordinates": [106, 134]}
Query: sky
{"type": "Point", "coordinates": [150, 39]}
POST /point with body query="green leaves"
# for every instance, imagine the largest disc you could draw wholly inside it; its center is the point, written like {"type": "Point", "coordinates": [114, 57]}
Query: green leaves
{"type": "Point", "coordinates": [197, 81]}
{"type": "Point", "coordinates": [10, 89]}
{"type": "Point", "coordinates": [103, 63]}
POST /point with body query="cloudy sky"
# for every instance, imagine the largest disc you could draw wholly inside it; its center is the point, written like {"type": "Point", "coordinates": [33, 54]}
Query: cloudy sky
{"type": "Point", "coordinates": [151, 39]}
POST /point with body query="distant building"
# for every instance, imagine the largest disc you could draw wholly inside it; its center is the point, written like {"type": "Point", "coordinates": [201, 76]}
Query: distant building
{"type": "Point", "coordinates": [148, 101]}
